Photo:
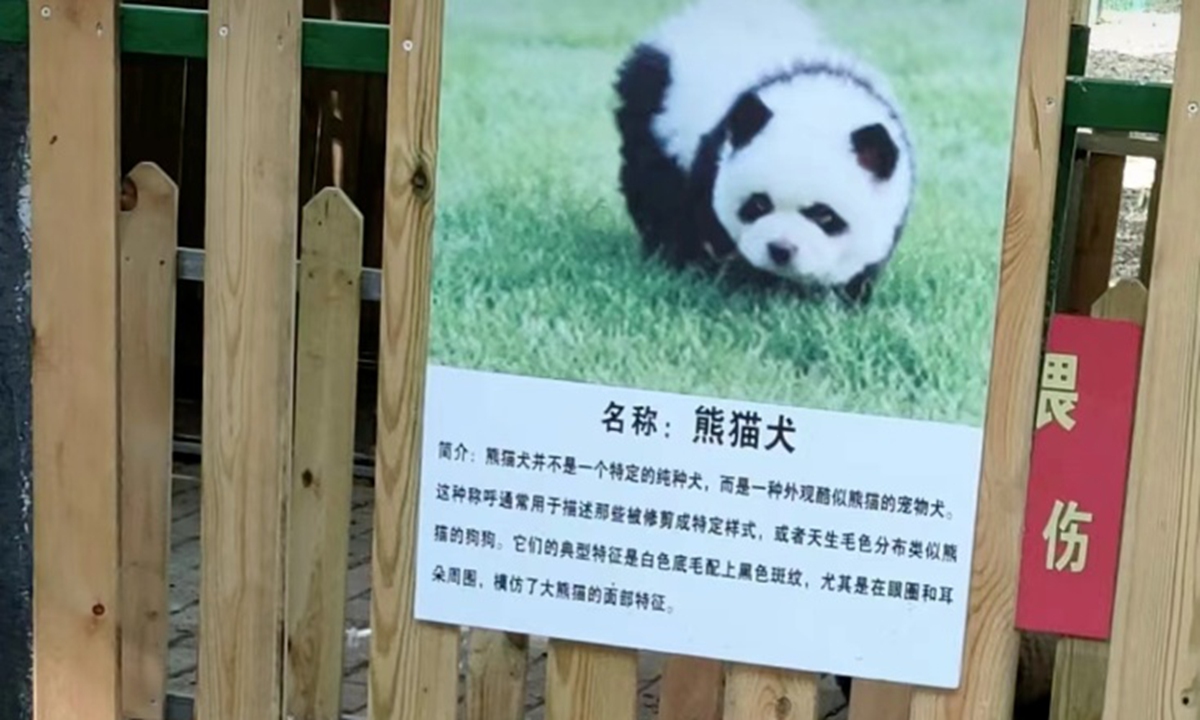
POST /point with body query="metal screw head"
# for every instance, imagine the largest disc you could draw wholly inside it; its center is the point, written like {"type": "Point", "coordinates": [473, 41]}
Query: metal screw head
{"type": "Point", "coordinates": [407, 45]}
{"type": "Point", "coordinates": [223, 30]}
{"type": "Point", "coordinates": [45, 11]}
{"type": "Point", "coordinates": [1193, 108]}
{"type": "Point", "coordinates": [1050, 103]}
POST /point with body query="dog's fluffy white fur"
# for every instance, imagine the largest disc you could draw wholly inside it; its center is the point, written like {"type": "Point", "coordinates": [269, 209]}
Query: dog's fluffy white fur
{"type": "Point", "coordinates": [745, 131]}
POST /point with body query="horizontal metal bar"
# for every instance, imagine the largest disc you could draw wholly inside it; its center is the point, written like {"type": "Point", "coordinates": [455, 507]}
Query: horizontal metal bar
{"type": "Point", "coordinates": [190, 266]}
{"type": "Point", "coordinates": [1117, 105]}
{"type": "Point", "coordinates": [183, 32]}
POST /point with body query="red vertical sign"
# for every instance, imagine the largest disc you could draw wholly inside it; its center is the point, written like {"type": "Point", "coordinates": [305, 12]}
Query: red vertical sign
{"type": "Point", "coordinates": [1078, 468]}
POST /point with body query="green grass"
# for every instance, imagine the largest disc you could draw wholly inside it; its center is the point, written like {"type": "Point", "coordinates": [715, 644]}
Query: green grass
{"type": "Point", "coordinates": [538, 270]}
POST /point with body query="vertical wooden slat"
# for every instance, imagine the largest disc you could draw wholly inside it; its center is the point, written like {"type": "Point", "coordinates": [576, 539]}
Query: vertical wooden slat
{"type": "Point", "coordinates": [590, 682]}
{"type": "Point", "coordinates": [1099, 215]}
{"type": "Point", "coordinates": [1151, 228]}
{"type": "Point", "coordinates": [73, 96]}
{"type": "Point", "coordinates": [753, 693]}
{"type": "Point", "coordinates": [880, 701]}
{"type": "Point", "coordinates": [1084, 12]}
{"type": "Point", "coordinates": [497, 666]}
{"type": "Point", "coordinates": [147, 235]}
{"type": "Point", "coordinates": [413, 666]}
{"type": "Point", "coordinates": [249, 317]}
{"type": "Point", "coordinates": [1154, 657]}
{"type": "Point", "coordinates": [692, 689]}
{"type": "Point", "coordinates": [1126, 300]}
{"type": "Point", "coordinates": [1081, 666]}
{"type": "Point", "coordinates": [323, 464]}
{"type": "Point", "coordinates": [990, 652]}
{"type": "Point", "coordinates": [1070, 227]}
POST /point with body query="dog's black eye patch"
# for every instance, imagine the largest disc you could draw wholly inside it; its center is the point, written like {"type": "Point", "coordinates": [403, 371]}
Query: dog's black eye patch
{"type": "Point", "coordinates": [755, 207]}
{"type": "Point", "coordinates": [825, 218]}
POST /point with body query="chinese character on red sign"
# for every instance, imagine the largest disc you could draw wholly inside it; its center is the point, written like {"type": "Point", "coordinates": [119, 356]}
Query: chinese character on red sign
{"type": "Point", "coordinates": [1078, 466]}
{"type": "Point", "coordinates": [1062, 529]}
{"type": "Point", "coordinates": [1057, 395]}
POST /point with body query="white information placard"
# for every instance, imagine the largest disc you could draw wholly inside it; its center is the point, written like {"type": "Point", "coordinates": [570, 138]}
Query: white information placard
{"type": "Point", "coordinates": [713, 297]}
{"type": "Point", "coordinates": [804, 539]}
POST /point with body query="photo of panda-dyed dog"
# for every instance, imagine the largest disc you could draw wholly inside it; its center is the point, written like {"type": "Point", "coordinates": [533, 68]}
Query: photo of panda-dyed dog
{"type": "Point", "coordinates": [747, 135]}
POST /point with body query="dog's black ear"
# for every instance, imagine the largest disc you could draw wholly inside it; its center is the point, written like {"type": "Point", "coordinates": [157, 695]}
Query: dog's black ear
{"type": "Point", "coordinates": [876, 150]}
{"type": "Point", "coordinates": [747, 119]}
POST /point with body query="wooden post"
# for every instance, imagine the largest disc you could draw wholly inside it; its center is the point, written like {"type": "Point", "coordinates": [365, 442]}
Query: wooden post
{"type": "Point", "coordinates": [1090, 263]}
{"type": "Point", "coordinates": [691, 689]}
{"type": "Point", "coordinates": [1146, 261]}
{"type": "Point", "coordinates": [414, 666]}
{"type": "Point", "coordinates": [753, 693]}
{"type": "Point", "coordinates": [497, 669]}
{"type": "Point", "coordinates": [1085, 12]}
{"type": "Point", "coordinates": [73, 99]}
{"type": "Point", "coordinates": [148, 244]}
{"type": "Point", "coordinates": [990, 654]}
{"type": "Point", "coordinates": [880, 701]}
{"type": "Point", "coordinates": [323, 465]}
{"type": "Point", "coordinates": [249, 316]}
{"type": "Point", "coordinates": [1153, 660]}
{"type": "Point", "coordinates": [590, 682]}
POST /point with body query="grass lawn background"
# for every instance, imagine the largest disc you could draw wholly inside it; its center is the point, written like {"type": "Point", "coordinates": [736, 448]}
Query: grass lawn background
{"type": "Point", "coordinates": [538, 270]}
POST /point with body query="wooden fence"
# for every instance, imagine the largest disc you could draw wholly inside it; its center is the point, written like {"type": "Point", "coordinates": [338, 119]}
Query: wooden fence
{"type": "Point", "coordinates": [283, 287]}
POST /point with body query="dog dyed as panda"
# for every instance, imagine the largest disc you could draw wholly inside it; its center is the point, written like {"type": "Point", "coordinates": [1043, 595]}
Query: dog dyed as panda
{"type": "Point", "coordinates": [746, 134]}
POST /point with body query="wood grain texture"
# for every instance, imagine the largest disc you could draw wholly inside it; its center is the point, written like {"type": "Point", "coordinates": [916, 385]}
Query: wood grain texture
{"type": "Point", "coordinates": [1146, 263]}
{"type": "Point", "coordinates": [148, 241]}
{"type": "Point", "coordinates": [1099, 212]}
{"type": "Point", "coordinates": [497, 668]}
{"type": "Point", "coordinates": [1125, 300]}
{"type": "Point", "coordinates": [1084, 12]}
{"type": "Point", "coordinates": [590, 682]}
{"type": "Point", "coordinates": [1081, 666]}
{"type": "Point", "coordinates": [1154, 648]}
{"type": "Point", "coordinates": [73, 141]}
{"type": "Point", "coordinates": [249, 317]}
{"type": "Point", "coordinates": [871, 700]}
{"type": "Point", "coordinates": [692, 689]}
{"type": "Point", "coordinates": [754, 693]}
{"type": "Point", "coordinates": [323, 455]}
{"type": "Point", "coordinates": [414, 666]}
{"type": "Point", "coordinates": [990, 651]}
{"type": "Point", "coordinates": [1070, 229]}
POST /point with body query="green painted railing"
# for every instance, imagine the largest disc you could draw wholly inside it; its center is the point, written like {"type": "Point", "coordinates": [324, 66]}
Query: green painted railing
{"type": "Point", "coordinates": [363, 47]}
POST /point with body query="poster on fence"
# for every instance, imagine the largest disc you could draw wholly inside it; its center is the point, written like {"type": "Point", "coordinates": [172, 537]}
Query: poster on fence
{"type": "Point", "coordinates": [713, 297]}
